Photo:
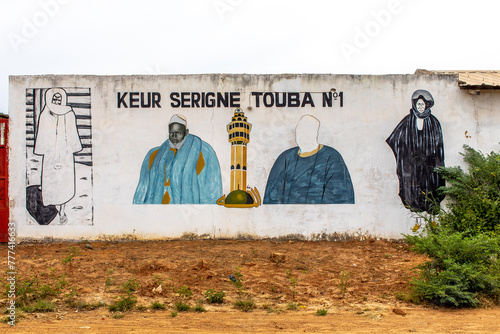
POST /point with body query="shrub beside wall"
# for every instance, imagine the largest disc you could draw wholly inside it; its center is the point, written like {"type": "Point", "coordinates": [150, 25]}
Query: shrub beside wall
{"type": "Point", "coordinates": [463, 241]}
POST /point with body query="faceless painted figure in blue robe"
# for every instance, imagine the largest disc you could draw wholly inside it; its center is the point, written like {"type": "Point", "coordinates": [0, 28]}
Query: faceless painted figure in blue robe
{"type": "Point", "coordinates": [183, 170]}
{"type": "Point", "coordinates": [417, 143]}
{"type": "Point", "coordinates": [309, 173]}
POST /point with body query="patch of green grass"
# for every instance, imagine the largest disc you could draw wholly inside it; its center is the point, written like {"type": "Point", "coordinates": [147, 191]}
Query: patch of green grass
{"type": "Point", "coordinates": [157, 305]}
{"type": "Point", "coordinates": [41, 305]}
{"type": "Point", "coordinates": [199, 308]}
{"type": "Point", "coordinates": [118, 315]}
{"type": "Point", "coordinates": [94, 305]}
{"type": "Point", "coordinates": [124, 303]}
{"type": "Point", "coordinates": [292, 306]}
{"type": "Point", "coordinates": [173, 314]}
{"type": "Point", "coordinates": [42, 286]}
{"type": "Point", "coordinates": [321, 312]}
{"type": "Point", "coordinates": [245, 305]}
{"type": "Point", "coordinates": [180, 306]}
{"type": "Point", "coordinates": [80, 305]}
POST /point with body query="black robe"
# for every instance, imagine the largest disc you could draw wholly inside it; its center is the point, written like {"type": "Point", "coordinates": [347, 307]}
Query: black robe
{"type": "Point", "coordinates": [418, 153]}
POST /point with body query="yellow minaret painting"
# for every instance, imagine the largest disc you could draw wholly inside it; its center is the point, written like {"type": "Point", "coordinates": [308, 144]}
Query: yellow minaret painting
{"type": "Point", "coordinates": [239, 137]}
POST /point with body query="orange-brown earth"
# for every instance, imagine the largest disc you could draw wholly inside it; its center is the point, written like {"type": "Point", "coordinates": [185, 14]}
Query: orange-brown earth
{"type": "Point", "coordinates": [361, 285]}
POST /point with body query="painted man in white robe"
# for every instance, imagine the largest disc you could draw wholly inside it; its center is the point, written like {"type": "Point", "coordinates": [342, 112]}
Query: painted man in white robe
{"type": "Point", "coordinates": [57, 140]}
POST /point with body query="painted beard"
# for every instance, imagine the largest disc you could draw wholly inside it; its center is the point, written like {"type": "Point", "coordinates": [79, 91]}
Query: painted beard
{"type": "Point", "coordinates": [178, 145]}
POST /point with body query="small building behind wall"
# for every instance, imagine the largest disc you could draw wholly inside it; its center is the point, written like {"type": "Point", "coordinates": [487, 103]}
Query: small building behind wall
{"type": "Point", "coordinates": [322, 155]}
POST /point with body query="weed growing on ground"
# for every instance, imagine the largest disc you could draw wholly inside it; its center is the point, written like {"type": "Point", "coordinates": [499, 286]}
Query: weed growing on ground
{"type": "Point", "coordinates": [292, 306]}
{"type": "Point", "coordinates": [180, 306]}
{"type": "Point", "coordinates": [173, 314]}
{"type": "Point", "coordinates": [37, 287]}
{"type": "Point", "coordinates": [130, 286]}
{"type": "Point", "coordinates": [237, 280]}
{"type": "Point", "coordinates": [109, 280]}
{"type": "Point", "coordinates": [124, 303]}
{"type": "Point", "coordinates": [157, 305]}
{"type": "Point", "coordinates": [158, 280]}
{"type": "Point", "coordinates": [344, 282]}
{"type": "Point", "coordinates": [184, 292]}
{"type": "Point", "coordinates": [321, 311]}
{"type": "Point", "coordinates": [72, 252]}
{"type": "Point", "coordinates": [293, 284]}
{"type": "Point", "coordinates": [41, 305]}
{"type": "Point", "coordinates": [244, 305]}
{"type": "Point", "coordinates": [214, 297]}
{"type": "Point", "coordinates": [199, 308]}
{"type": "Point", "coordinates": [94, 305]}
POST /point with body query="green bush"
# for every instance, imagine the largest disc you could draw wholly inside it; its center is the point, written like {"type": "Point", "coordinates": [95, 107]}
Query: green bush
{"type": "Point", "coordinates": [184, 292]}
{"type": "Point", "coordinates": [474, 195]}
{"type": "Point", "coordinates": [199, 308]}
{"type": "Point", "coordinates": [463, 241]}
{"type": "Point", "coordinates": [461, 268]}
{"type": "Point", "coordinates": [321, 312]}
{"type": "Point", "coordinates": [157, 306]}
{"type": "Point", "coordinates": [123, 304]}
{"type": "Point", "coordinates": [214, 297]}
{"type": "Point", "coordinates": [180, 306]}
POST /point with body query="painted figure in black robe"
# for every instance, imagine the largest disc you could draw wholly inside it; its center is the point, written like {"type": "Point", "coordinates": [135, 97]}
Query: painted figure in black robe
{"type": "Point", "coordinates": [417, 143]}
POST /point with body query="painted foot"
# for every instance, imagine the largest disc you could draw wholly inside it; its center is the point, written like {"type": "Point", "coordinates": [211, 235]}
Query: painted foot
{"type": "Point", "coordinates": [63, 219]}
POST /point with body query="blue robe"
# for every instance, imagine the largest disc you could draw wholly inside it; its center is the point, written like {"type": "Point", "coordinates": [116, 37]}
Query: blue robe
{"type": "Point", "coordinates": [190, 175]}
{"type": "Point", "coordinates": [322, 178]}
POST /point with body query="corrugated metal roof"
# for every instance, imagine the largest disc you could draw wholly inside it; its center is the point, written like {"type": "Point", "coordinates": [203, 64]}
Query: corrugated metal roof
{"type": "Point", "coordinates": [471, 79]}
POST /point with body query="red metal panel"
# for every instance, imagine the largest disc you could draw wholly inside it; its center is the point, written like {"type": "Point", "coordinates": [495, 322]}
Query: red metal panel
{"type": "Point", "coordinates": [4, 180]}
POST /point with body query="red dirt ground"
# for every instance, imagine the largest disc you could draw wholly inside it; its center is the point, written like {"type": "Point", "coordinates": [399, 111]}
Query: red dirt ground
{"type": "Point", "coordinates": [361, 285]}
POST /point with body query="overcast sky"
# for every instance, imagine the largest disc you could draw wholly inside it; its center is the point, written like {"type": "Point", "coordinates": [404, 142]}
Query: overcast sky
{"type": "Point", "coordinates": [245, 36]}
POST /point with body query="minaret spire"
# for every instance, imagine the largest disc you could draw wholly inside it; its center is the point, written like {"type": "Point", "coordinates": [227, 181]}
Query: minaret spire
{"type": "Point", "coordinates": [239, 137]}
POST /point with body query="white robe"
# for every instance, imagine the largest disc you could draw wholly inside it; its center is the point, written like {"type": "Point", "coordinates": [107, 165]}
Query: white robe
{"type": "Point", "coordinates": [57, 140]}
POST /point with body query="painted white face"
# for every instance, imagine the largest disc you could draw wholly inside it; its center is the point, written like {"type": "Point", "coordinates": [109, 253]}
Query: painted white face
{"type": "Point", "coordinates": [420, 106]}
{"type": "Point", "coordinates": [306, 133]}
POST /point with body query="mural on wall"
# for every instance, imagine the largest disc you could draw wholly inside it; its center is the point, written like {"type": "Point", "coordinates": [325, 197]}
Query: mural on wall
{"type": "Point", "coordinates": [183, 170]}
{"type": "Point", "coordinates": [417, 143]}
{"type": "Point", "coordinates": [309, 173]}
{"type": "Point", "coordinates": [239, 137]}
{"type": "Point", "coordinates": [59, 156]}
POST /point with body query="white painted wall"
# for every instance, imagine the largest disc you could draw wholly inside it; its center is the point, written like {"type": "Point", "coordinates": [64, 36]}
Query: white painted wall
{"type": "Point", "coordinates": [373, 106]}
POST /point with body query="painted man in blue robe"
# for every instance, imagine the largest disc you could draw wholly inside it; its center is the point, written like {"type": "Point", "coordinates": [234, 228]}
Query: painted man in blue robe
{"type": "Point", "coordinates": [309, 173]}
{"type": "Point", "coordinates": [183, 170]}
